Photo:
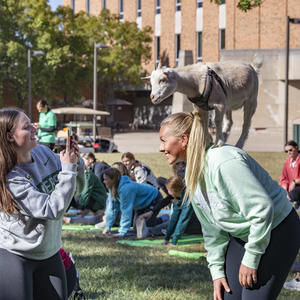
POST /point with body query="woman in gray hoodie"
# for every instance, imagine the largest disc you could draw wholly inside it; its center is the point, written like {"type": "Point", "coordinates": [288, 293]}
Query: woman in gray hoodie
{"type": "Point", "coordinates": [36, 187]}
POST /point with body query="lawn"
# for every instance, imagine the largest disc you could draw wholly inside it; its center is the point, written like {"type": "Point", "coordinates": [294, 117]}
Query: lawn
{"type": "Point", "coordinates": [109, 270]}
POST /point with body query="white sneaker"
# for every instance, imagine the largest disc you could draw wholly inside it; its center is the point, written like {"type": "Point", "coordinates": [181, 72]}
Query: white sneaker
{"type": "Point", "coordinates": [294, 284]}
{"type": "Point", "coordinates": [141, 228]}
{"type": "Point", "coordinates": [100, 225]}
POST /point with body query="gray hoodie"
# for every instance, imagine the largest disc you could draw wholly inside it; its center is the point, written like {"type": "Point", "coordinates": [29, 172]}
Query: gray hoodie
{"type": "Point", "coordinates": [43, 190]}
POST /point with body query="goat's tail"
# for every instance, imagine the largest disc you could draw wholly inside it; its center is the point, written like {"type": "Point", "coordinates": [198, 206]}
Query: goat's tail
{"type": "Point", "coordinates": [257, 62]}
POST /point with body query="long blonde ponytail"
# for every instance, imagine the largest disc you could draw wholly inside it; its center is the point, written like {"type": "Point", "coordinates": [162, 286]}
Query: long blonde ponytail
{"type": "Point", "coordinates": [195, 125]}
{"type": "Point", "coordinates": [199, 140]}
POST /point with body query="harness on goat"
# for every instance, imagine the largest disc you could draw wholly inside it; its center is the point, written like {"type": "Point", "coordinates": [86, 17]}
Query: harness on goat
{"type": "Point", "coordinates": [202, 101]}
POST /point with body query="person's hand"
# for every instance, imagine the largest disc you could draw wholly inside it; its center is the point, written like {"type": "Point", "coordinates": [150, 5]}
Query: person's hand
{"type": "Point", "coordinates": [106, 231]}
{"type": "Point", "coordinates": [219, 284]}
{"type": "Point", "coordinates": [247, 276]}
{"type": "Point", "coordinates": [71, 153]}
{"type": "Point", "coordinates": [146, 215]}
{"type": "Point", "coordinates": [36, 125]}
{"type": "Point", "coordinates": [292, 186]}
{"type": "Point", "coordinates": [164, 242]}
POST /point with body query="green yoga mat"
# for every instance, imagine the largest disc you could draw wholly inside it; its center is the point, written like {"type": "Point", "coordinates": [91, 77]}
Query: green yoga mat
{"type": "Point", "coordinates": [184, 241]}
{"type": "Point", "coordinates": [84, 227]}
{"type": "Point", "coordinates": [189, 255]}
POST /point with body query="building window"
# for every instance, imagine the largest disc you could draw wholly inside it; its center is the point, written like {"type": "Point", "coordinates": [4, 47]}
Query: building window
{"type": "Point", "coordinates": [177, 47]}
{"type": "Point", "coordinates": [199, 46]}
{"type": "Point", "coordinates": [73, 6]}
{"type": "Point", "coordinates": [199, 3]}
{"type": "Point", "coordinates": [223, 2]}
{"type": "Point", "coordinates": [88, 7]}
{"type": "Point", "coordinates": [157, 10]}
{"type": "Point", "coordinates": [139, 8]}
{"type": "Point", "coordinates": [178, 5]}
{"type": "Point", "coordinates": [157, 50]}
{"type": "Point", "coordinates": [103, 4]}
{"type": "Point", "coordinates": [121, 9]}
{"type": "Point", "coordinates": [222, 38]}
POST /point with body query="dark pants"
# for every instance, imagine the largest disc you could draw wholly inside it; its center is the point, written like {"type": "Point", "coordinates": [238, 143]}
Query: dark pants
{"type": "Point", "coordinates": [155, 207]}
{"type": "Point", "coordinates": [295, 196]}
{"type": "Point", "coordinates": [26, 279]}
{"type": "Point", "coordinates": [274, 265]}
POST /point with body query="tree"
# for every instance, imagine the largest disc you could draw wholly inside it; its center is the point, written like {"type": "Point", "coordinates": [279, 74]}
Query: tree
{"type": "Point", "coordinates": [244, 5]}
{"type": "Point", "coordinates": [67, 41]}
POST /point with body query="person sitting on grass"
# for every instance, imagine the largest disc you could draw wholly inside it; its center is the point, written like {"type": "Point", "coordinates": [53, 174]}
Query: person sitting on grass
{"type": "Point", "coordinates": [138, 171]}
{"type": "Point", "coordinates": [126, 195]}
{"type": "Point", "coordinates": [290, 175]}
{"type": "Point", "coordinates": [182, 212]}
{"type": "Point", "coordinates": [97, 167]}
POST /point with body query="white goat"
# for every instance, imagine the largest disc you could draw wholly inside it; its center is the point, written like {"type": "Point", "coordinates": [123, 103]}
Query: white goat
{"type": "Point", "coordinates": [222, 86]}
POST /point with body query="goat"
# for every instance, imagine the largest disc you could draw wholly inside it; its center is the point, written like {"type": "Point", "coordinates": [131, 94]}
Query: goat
{"type": "Point", "coordinates": [219, 86]}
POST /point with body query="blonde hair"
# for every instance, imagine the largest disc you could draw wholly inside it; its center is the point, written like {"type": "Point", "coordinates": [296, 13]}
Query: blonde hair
{"type": "Point", "coordinates": [175, 184]}
{"type": "Point", "coordinates": [195, 126]}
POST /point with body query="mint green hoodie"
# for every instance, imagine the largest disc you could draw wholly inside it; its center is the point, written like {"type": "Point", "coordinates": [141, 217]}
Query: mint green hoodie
{"type": "Point", "coordinates": [242, 200]}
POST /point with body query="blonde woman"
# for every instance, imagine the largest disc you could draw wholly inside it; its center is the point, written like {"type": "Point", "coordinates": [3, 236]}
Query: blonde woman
{"type": "Point", "coordinates": [251, 232]}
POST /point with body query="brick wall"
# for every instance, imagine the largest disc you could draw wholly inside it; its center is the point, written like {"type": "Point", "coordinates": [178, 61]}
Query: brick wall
{"type": "Point", "coordinates": [148, 19]}
{"type": "Point", "coordinates": [188, 25]}
{"type": "Point", "coordinates": [210, 35]}
{"type": "Point", "coordinates": [168, 30]}
{"type": "Point", "coordinates": [130, 10]}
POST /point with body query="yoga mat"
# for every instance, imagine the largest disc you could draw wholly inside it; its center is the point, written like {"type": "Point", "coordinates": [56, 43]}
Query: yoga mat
{"type": "Point", "coordinates": [184, 241]}
{"type": "Point", "coordinates": [190, 255]}
{"type": "Point", "coordinates": [79, 227]}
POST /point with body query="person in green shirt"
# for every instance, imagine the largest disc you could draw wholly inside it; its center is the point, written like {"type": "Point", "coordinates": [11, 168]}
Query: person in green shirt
{"type": "Point", "coordinates": [47, 124]}
{"type": "Point", "coordinates": [251, 231]}
{"type": "Point", "coordinates": [94, 195]}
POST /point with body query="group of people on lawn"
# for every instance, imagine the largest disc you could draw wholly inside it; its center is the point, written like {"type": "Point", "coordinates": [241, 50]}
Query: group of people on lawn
{"type": "Point", "coordinates": [247, 220]}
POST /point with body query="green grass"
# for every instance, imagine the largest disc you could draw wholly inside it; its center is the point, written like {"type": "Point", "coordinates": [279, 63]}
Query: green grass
{"type": "Point", "coordinates": [109, 270]}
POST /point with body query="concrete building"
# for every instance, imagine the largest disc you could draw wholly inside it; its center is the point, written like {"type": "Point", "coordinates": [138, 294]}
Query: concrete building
{"type": "Point", "coordinates": [210, 32]}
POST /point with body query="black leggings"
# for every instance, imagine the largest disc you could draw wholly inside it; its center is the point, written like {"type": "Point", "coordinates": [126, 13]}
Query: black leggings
{"type": "Point", "coordinates": [26, 279]}
{"type": "Point", "coordinates": [274, 265]}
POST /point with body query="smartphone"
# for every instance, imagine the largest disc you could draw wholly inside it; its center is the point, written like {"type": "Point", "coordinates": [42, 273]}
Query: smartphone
{"type": "Point", "coordinates": [69, 135]}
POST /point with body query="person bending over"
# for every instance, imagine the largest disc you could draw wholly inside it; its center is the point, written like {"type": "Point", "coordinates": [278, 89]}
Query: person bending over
{"type": "Point", "coordinates": [182, 212]}
{"type": "Point", "coordinates": [251, 231]}
{"type": "Point", "coordinates": [126, 195]}
{"type": "Point", "coordinates": [36, 189]}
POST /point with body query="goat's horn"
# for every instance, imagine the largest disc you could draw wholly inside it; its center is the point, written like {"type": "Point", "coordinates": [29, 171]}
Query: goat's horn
{"type": "Point", "coordinates": [146, 78]}
{"type": "Point", "coordinates": [159, 65]}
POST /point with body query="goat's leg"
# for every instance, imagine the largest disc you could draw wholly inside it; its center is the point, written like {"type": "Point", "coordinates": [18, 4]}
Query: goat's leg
{"type": "Point", "coordinates": [227, 124]}
{"type": "Point", "coordinates": [249, 110]}
{"type": "Point", "coordinates": [219, 115]}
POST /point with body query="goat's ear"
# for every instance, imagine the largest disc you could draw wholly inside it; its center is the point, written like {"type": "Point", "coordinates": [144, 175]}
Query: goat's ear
{"type": "Point", "coordinates": [146, 78]}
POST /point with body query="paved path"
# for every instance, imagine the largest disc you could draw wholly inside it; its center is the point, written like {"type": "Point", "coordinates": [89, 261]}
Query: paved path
{"type": "Point", "coordinates": [268, 140]}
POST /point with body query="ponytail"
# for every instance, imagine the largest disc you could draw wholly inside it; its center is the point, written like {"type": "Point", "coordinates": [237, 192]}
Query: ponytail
{"type": "Point", "coordinates": [199, 140]}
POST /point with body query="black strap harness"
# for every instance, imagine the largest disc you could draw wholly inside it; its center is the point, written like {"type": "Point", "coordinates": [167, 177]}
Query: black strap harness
{"type": "Point", "coordinates": [202, 101]}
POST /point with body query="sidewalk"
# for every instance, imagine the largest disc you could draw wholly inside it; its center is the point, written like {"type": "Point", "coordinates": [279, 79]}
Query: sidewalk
{"type": "Point", "coordinates": [268, 140]}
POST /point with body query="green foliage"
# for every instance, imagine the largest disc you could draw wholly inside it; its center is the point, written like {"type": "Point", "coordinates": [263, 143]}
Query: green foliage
{"type": "Point", "coordinates": [244, 5]}
{"type": "Point", "coordinates": [67, 41]}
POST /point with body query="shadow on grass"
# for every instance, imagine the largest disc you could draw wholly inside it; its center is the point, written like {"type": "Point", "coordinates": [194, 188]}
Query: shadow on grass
{"type": "Point", "coordinates": [122, 267]}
